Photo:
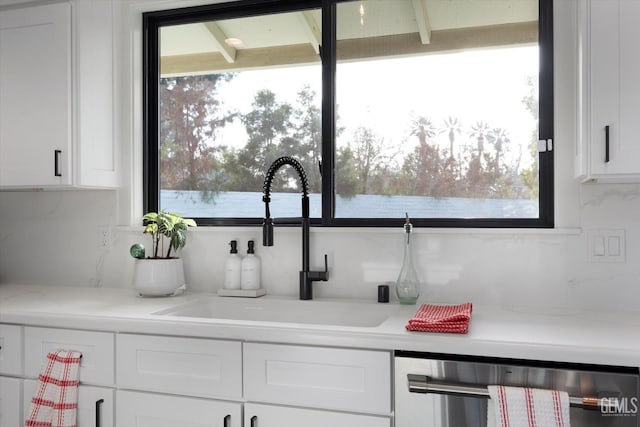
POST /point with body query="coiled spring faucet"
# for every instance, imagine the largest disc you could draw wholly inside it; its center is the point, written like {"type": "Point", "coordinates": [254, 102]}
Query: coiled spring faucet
{"type": "Point", "coordinates": [307, 277]}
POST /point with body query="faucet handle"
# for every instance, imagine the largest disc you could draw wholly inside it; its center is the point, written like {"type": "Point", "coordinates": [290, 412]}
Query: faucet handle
{"type": "Point", "coordinates": [316, 276]}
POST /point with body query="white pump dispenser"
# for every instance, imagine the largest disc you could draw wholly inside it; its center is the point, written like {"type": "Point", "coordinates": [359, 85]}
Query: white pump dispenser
{"type": "Point", "coordinates": [233, 268]}
{"type": "Point", "coordinates": [251, 267]}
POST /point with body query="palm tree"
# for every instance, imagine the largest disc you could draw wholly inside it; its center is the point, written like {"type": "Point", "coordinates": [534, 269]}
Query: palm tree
{"type": "Point", "coordinates": [479, 131]}
{"type": "Point", "coordinates": [452, 127]}
{"type": "Point", "coordinates": [426, 159]}
{"type": "Point", "coordinates": [422, 128]}
{"type": "Point", "coordinates": [498, 137]}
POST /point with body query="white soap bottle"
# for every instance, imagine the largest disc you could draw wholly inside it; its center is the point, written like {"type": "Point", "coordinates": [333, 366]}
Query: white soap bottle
{"type": "Point", "coordinates": [251, 269]}
{"type": "Point", "coordinates": [233, 268]}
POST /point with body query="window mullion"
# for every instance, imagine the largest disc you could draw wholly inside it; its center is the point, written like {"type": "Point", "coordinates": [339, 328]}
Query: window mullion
{"type": "Point", "coordinates": [328, 109]}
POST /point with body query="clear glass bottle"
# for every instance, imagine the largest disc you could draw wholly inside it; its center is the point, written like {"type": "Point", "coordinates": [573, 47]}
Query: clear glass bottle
{"type": "Point", "coordinates": [408, 283]}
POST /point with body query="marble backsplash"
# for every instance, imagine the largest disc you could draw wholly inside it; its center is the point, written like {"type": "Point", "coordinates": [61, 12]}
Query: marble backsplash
{"type": "Point", "coordinates": [53, 238]}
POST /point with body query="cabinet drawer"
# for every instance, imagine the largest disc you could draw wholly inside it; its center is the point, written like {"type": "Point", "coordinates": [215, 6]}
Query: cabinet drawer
{"type": "Point", "coordinates": [97, 348]}
{"type": "Point", "coordinates": [352, 380]}
{"type": "Point", "coordinates": [136, 409]}
{"type": "Point", "coordinates": [10, 407]}
{"type": "Point", "coordinates": [10, 350]}
{"type": "Point", "coordinates": [190, 366]}
{"type": "Point", "coordinates": [283, 416]}
{"type": "Point", "coordinates": [94, 403]}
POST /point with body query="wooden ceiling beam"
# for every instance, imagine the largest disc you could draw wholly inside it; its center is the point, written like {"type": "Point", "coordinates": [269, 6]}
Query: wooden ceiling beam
{"type": "Point", "coordinates": [311, 29]}
{"type": "Point", "coordinates": [355, 49]}
{"type": "Point", "coordinates": [219, 37]}
{"type": "Point", "coordinates": [422, 19]}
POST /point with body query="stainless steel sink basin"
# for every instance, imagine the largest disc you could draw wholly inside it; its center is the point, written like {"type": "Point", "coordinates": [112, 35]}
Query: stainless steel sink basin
{"type": "Point", "coordinates": [266, 309]}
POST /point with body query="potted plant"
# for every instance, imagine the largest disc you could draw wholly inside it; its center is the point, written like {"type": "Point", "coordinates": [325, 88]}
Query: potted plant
{"type": "Point", "coordinates": [161, 272]}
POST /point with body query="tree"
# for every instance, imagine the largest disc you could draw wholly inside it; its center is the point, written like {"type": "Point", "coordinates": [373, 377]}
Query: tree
{"type": "Point", "coordinates": [266, 124]}
{"type": "Point", "coordinates": [452, 128]}
{"type": "Point", "coordinates": [422, 166]}
{"type": "Point", "coordinates": [190, 114]}
{"type": "Point", "coordinates": [366, 149]}
{"type": "Point", "coordinates": [308, 135]}
{"type": "Point", "coordinates": [345, 173]}
{"type": "Point", "coordinates": [498, 137]}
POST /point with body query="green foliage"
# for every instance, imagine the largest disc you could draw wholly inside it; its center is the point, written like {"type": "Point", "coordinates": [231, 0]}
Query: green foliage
{"type": "Point", "coordinates": [165, 225]}
{"type": "Point", "coordinates": [447, 159]}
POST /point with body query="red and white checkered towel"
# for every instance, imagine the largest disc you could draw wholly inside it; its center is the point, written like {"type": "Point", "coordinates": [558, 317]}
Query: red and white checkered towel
{"type": "Point", "coordinates": [56, 401]}
{"type": "Point", "coordinates": [442, 318]}
{"type": "Point", "coordinates": [527, 407]}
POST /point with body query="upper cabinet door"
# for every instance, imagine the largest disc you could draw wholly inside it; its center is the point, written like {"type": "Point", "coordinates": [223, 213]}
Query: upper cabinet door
{"type": "Point", "coordinates": [35, 96]}
{"type": "Point", "coordinates": [610, 107]}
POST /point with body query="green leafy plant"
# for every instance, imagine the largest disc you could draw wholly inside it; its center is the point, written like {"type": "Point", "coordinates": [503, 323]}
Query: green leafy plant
{"type": "Point", "coordinates": [166, 226]}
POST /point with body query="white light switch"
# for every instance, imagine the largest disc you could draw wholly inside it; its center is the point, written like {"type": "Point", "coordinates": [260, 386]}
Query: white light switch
{"type": "Point", "coordinates": [606, 245]}
{"type": "Point", "coordinates": [614, 246]}
{"type": "Point", "coordinates": [598, 246]}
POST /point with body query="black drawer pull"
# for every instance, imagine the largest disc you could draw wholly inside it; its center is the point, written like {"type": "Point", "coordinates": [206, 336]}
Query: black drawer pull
{"type": "Point", "coordinates": [606, 144]}
{"type": "Point", "coordinates": [254, 421]}
{"type": "Point", "coordinates": [227, 421]}
{"type": "Point", "coordinates": [56, 162]}
{"type": "Point", "coordinates": [99, 403]}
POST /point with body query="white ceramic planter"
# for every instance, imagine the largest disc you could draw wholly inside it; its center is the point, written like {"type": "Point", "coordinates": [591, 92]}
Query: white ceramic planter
{"type": "Point", "coordinates": [158, 277]}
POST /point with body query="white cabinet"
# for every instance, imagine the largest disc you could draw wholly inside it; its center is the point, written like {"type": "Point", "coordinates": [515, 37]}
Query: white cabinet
{"type": "Point", "coordinates": [187, 366]}
{"type": "Point", "coordinates": [182, 367]}
{"type": "Point", "coordinates": [609, 91]}
{"type": "Point", "coordinates": [97, 348]}
{"type": "Point", "coordinates": [330, 378]}
{"type": "Point", "coordinates": [35, 96]}
{"type": "Point", "coordinates": [95, 404]}
{"type": "Point", "coordinates": [10, 350]}
{"type": "Point", "coordinates": [56, 96]}
{"type": "Point", "coordinates": [311, 377]}
{"type": "Point", "coordinates": [136, 409]}
{"type": "Point", "coordinates": [10, 402]}
{"type": "Point", "coordinates": [279, 416]}
{"type": "Point", "coordinates": [10, 364]}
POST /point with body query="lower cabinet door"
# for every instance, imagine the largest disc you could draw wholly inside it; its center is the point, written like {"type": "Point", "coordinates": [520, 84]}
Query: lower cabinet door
{"type": "Point", "coordinates": [10, 397]}
{"type": "Point", "coordinates": [95, 404]}
{"type": "Point", "coordinates": [139, 409]}
{"type": "Point", "coordinates": [258, 415]}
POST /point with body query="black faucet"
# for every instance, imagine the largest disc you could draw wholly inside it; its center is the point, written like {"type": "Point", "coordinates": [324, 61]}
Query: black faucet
{"type": "Point", "coordinates": [306, 277]}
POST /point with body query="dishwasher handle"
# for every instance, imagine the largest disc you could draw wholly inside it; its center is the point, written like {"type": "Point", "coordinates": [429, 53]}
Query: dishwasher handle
{"type": "Point", "coordinates": [425, 384]}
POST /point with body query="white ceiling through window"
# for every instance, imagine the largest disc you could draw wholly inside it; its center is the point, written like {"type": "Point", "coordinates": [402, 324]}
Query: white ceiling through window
{"type": "Point", "coordinates": [399, 27]}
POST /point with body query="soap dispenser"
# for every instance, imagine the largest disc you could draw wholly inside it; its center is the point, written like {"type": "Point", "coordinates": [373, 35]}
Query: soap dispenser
{"type": "Point", "coordinates": [408, 283]}
{"type": "Point", "coordinates": [251, 269]}
{"type": "Point", "coordinates": [233, 267]}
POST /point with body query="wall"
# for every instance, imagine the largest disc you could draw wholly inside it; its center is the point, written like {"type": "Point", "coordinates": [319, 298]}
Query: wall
{"type": "Point", "coordinates": [52, 237]}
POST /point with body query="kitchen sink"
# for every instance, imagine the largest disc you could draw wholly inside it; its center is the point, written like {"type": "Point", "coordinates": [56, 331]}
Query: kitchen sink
{"type": "Point", "coordinates": [269, 309]}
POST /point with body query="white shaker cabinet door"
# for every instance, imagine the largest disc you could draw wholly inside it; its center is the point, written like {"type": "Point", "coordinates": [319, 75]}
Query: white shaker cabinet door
{"type": "Point", "coordinates": [257, 415]}
{"type": "Point", "coordinates": [97, 348]}
{"type": "Point", "coordinates": [10, 398]}
{"type": "Point", "coordinates": [35, 96]}
{"type": "Point", "coordinates": [137, 409]}
{"type": "Point", "coordinates": [11, 350]}
{"type": "Point", "coordinates": [328, 378]}
{"type": "Point", "coordinates": [610, 107]}
{"type": "Point", "coordinates": [95, 404]}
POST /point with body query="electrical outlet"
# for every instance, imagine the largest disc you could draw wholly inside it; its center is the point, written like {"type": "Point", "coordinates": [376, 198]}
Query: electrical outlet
{"type": "Point", "coordinates": [105, 237]}
{"type": "Point", "coordinates": [606, 245]}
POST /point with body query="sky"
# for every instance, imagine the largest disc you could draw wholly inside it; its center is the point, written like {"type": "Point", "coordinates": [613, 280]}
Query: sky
{"type": "Point", "coordinates": [386, 95]}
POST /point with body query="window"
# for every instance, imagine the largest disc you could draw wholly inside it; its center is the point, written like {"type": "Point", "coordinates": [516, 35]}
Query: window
{"type": "Point", "coordinates": [434, 108]}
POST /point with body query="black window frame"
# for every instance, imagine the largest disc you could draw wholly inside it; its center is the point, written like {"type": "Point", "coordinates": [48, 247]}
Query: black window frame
{"type": "Point", "coordinates": [152, 21]}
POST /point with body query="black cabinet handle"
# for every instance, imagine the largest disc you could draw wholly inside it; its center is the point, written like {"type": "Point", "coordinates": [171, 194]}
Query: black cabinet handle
{"type": "Point", "coordinates": [99, 403]}
{"type": "Point", "coordinates": [254, 421]}
{"type": "Point", "coordinates": [227, 421]}
{"type": "Point", "coordinates": [56, 162]}
{"type": "Point", "coordinates": [606, 144]}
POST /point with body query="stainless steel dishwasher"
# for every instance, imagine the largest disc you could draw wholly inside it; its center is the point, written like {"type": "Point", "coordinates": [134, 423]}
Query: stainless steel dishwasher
{"type": "Point", "coordinates": [436, 390]}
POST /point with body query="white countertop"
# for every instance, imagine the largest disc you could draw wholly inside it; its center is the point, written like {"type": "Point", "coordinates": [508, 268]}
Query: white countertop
{"type": "Point", "coordinates": [554, 335]}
